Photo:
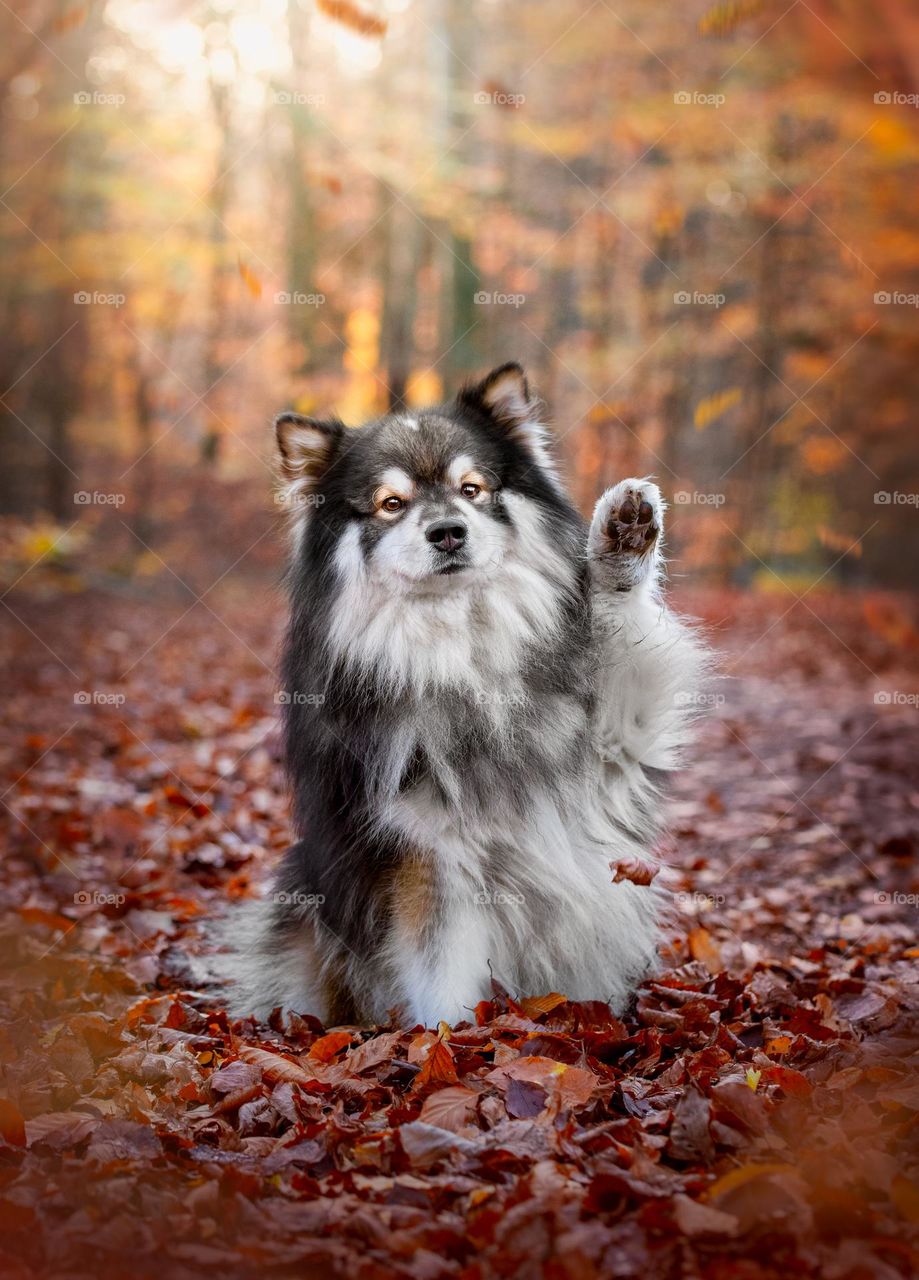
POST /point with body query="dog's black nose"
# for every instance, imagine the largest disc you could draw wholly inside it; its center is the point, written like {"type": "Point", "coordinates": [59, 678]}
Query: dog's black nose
{"type": "Point", "coordinates": [446, 535]}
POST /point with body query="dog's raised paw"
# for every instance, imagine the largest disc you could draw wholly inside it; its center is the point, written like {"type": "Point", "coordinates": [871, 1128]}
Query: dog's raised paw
{"type": "Point", "coordinates": [626, 527]}
{"type": "Point", "coordinates": [631, 526]}
{"type": "Point", "coordinates": [629, 516]}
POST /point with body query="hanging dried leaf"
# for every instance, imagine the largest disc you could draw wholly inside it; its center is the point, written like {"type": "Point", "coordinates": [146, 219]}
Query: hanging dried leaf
{"type": "Point", "coordinates": [250, 279]}
{"type": "Point", "coordinates": [353, 17]}
{"type": "Point", "coordinates": [713, 407]}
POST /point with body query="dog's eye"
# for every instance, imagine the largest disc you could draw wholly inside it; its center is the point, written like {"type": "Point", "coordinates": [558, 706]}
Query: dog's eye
{"type": "Point", "coordinates": [469, 490]}
{"type": "Point", "coordinates": [392, 503]}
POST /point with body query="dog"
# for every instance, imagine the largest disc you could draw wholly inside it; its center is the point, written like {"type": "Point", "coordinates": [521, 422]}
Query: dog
{"type": "Point", "coordinates": [482, 698]}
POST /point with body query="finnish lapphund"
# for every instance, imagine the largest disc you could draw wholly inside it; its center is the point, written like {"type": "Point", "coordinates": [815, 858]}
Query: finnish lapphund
{"type": "Point", "coordinates": [481, 696]}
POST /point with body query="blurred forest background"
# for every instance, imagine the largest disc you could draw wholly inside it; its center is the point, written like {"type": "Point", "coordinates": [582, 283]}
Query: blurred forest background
{"type": "Point", "coordinates": [695, 224]}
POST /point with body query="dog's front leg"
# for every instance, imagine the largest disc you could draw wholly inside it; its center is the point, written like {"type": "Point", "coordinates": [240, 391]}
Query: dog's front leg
{"type": "Point", "coordinates": [440, 943]}
{"type": "Point", "coordinates": [651, 664]}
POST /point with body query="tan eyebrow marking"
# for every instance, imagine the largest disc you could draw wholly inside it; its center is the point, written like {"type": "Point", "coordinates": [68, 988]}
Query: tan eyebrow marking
{"type": "Point", "coordinates": [394, 483]}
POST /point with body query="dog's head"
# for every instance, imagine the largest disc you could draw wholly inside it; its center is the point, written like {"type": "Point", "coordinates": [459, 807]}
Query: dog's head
{"type": "Point", "coordinates": [426, 502]}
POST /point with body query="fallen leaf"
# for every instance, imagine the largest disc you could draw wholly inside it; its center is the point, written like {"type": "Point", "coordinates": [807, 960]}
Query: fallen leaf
{"type": "Point", "coordinates": [329, 1046]}
{"type": "Point", "coordinates": [703, 947]}
{"type": "Point", "coordinates": [448, 1108]}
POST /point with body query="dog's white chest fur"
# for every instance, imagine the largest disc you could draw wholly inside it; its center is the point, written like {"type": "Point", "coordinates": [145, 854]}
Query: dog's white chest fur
{"type": "Point", "coordinates": [527, 894]}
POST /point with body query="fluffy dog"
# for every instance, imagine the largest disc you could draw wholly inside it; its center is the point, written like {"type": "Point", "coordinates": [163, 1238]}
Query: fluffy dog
{"type": "Point", "coordinates": [482, 696]}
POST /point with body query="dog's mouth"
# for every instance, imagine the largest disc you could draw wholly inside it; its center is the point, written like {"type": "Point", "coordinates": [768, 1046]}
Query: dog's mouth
{"type": "Point", "coordinates": [452, 567]}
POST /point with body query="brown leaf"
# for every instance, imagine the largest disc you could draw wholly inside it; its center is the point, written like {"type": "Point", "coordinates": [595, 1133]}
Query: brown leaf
{"type": "Point", "coordinates": [524, 1099]}
{"type": "Point", "coordinates": [690, 1138]}
{"type": "Point", "coordinates": [634, 870]}
{"type": "Point", "coordinates": [695, 1219]}
{"type": "Point", "coordinates": [378, 1049]}
{"type": "Point", "coordinates": [273, 1067]}
{"type": "Point", "coordinates": [427, 1144]}
{"type": "Point", "coordinates": [573, 1086]}
{"type": "Point", "coordinates": [60, 1129]}
{"type": "Point", "coordinates": [449, 1108]}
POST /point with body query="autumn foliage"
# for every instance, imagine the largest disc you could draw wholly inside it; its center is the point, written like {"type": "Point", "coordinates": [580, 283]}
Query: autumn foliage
{"type": "Point", "coordinates": [754, 1114]}
{"type": "Point", "coordinates": [695, 224]}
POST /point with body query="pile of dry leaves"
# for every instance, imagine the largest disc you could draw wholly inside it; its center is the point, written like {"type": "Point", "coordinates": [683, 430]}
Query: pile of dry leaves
{"type": "Point", "coordinates": [755, 1115]}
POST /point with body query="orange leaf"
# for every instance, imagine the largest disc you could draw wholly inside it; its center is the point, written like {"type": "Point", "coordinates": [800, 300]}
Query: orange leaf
{"type": "Point", "coordinates": [250, 279]}
{"type": "Point", "coordinates": [326, 1047]}
{"type": "Point", "coordinates": [889, 620]}
{"type": "Point", "coordinates": [437, 1068]}
{"type": "Point", "coordinates": [533, 1006]}
{"type": "Point", "coordinates": [789, 1081]}
{"type": "Point", "coordinates": [349, 15]}
{"type": "Point", "coordinates": [35, 915]}
{"type": "Point", "coordinates": [738, 1177]}
{"type": "Point", "coordinates": [905, 1195]}
{"type": "Point", "coordinates": [12, 1125]}
{"type": "Point", "coordinates": [702, 946]}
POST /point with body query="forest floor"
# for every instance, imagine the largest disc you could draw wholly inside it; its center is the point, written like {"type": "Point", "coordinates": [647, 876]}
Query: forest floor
{"type": "Point", "coordinates": [755, 1116]}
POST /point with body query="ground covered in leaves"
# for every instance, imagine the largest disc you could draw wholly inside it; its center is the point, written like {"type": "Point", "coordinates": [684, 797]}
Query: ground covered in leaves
{"type": "Point", "coordinates": [754, 1116]}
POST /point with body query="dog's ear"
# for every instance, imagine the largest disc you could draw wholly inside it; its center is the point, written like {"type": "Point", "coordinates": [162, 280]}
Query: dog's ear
{"type": "Point", "coordinates": [504, 396]}
{"type": "Point", "coordinates": [307, 447]}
